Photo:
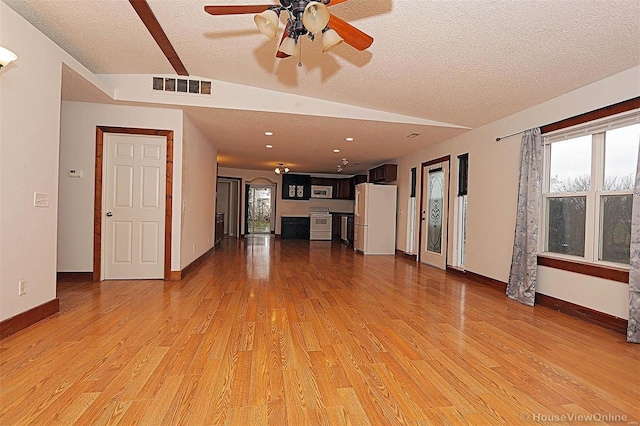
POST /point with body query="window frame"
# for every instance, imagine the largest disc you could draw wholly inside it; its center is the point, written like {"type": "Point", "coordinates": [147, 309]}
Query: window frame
{"type": "Point", "coordinates": [597, 130]}
{"type": "Point", "coordinates": [461, 212]}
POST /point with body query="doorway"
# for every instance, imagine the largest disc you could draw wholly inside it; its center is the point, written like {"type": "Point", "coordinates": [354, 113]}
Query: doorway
{"type": "Point", "coordinates": [259, 211]}
{"type": "Point", "coordinates": [151, 154]}
{"type": "Point", "coordinates": [228, 202]}
{"type": "Point", "coordinates": [434, 216]}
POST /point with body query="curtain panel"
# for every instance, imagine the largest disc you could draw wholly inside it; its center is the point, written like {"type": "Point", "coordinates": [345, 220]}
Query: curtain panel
{"type": "Point", "coordinates": [524, 265]}
{"type": "Point", "coordinates": [633, 329]}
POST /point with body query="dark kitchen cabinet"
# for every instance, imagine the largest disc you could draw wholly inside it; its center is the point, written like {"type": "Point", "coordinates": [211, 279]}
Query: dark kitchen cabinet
{"type": "Point", "coordinates": [360, 179]}
{"type": "Point", "coordinates": [294, 228]}
{"type": "Point", "coordinates": [384, 173]}
{"type": "Point", "coordinates": [296, 187]}
{"type": "Point", "coordinates": [336, 225]}
{"type": "Point", "coordinates": [343, 189]}
{"type": "Point", "coordinates": [323, 181]}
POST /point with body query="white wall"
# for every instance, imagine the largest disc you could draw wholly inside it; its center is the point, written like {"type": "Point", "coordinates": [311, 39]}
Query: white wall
{"type": "Point", "coordinates": [29, 135]}
{"type": "Point", "coordinates": [283, 207]}
{"type": "Point", "coordinates": [134, 87]}
{"type": "Point", "coordinates": [198, 194]}
{"type": "Point", "coordinates": [493, 180]}
{"type": "Point", "coordinates": [78, 121]}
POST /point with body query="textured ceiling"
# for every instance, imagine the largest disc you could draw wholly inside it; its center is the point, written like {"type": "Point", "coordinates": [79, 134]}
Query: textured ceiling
{"type": "Point", "coordinates": [463, 62]}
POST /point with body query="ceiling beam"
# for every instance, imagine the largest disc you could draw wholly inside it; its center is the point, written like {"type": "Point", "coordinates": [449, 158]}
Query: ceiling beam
{"type": "Point", "coordinates": [149, 19]}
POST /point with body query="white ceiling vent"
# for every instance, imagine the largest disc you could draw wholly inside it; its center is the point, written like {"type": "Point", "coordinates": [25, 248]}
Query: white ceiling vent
{"type": "Point", "coordinates": [182, 85]}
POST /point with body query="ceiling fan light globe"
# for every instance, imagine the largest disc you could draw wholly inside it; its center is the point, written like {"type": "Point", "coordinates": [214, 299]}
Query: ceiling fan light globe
{"type": "Point", "coordinates": [277, 170]}
{"type": "Point", "coordinates": [316, 17]}
{"type": "Point", "coordinates": [330, 40]}
{"type": "Point", "coordinates": [289, 47]}
{"type": "Point", "coordinates": [267, 22]}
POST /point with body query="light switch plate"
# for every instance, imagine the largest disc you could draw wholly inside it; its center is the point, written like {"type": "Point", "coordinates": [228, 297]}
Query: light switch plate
{"type": "Point", "coordinates": [40, 199]}
{"type": "Point", "coordinates": [75, 173]}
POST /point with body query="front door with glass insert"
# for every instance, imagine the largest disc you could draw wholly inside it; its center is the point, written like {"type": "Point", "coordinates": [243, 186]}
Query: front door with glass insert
{"type": "Point", "coordinates": [434, 214]}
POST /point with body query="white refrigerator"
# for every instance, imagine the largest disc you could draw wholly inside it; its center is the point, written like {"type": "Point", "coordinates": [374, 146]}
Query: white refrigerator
{"type": "Point", "coordinates": [375, 219]}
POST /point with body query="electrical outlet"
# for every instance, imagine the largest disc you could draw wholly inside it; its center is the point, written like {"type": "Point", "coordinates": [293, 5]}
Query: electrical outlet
{"type": "Point", "coordinates": [22, 287]}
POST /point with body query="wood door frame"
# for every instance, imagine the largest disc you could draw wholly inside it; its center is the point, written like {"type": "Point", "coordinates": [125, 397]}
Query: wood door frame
{"type": "Point", "coordinates": [422, 190]}
{"type": "Point", "coordinates": [97, 201]}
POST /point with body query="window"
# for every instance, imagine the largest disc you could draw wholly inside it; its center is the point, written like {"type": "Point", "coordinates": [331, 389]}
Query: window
{"type": "Point", "coordinates": [461, 210]}
{"type": "Point", "coordinates": [588, 190]}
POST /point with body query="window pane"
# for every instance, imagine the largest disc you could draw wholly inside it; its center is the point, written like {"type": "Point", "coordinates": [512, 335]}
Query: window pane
{"type": "Point", "coordinates": [566, 219]}
{"type": "Point", "coordinates": [621, 157]}
{"type": "Point", "coordinates": [571, 165]}
{"type": "Point", "coordinates": [615, 228]}
{"type": "Point", "coordinates": [436, 191]}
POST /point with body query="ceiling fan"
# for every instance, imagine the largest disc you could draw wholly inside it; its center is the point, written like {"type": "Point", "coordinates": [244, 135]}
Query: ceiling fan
{"type": "Point", "coordinates": [304, 17]}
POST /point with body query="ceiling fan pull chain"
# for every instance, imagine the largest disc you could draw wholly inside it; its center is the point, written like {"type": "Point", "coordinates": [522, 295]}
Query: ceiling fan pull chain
{"type": "Point", "coordinates": [300, 55]}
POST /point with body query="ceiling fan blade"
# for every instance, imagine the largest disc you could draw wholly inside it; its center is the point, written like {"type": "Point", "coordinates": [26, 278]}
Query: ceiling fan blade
{"type": "Point", "coordinates": [237, 10]}
{"type": "Point", "coordinates": [280, 54]}
{"type": "Point", "coordinates": [350, 34]}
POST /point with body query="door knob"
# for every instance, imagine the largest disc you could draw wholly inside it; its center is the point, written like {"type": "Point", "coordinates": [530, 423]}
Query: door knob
{"type": "Point", "coordinates": [109, 214]}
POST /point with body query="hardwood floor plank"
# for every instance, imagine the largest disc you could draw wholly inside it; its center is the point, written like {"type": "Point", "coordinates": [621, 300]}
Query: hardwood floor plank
{"type": "Point", "coordinates": [72, 410]}
{"type": "Point", "coordinates": [289, 332]}
{"type": "Point", "coordinates": [354, 412]}
{"type": "Point", "coordinates": [276, 399]}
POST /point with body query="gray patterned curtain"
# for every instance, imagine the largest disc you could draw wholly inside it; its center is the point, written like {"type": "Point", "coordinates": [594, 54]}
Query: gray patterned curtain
{"type": "Point", "coordinates": [524, 265]}
{"type": "Point", "coordinates": [633, 329]}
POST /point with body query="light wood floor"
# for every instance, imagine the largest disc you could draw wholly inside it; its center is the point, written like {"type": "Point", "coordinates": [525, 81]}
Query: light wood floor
{"type": "Point", "coordinates": [286, 332]}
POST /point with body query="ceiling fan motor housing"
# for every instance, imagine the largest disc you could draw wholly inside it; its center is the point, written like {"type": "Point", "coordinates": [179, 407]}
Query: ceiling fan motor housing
{"type": "Point", "coordinates": [298, 12]}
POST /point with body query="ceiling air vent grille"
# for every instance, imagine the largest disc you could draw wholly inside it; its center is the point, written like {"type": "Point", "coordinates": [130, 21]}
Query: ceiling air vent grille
{"type": "Point", "coordinates": [182, 85]}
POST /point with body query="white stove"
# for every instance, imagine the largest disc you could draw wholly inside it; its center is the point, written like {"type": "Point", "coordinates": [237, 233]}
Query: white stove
{"type": "Point", "coordinates": [320, 228]}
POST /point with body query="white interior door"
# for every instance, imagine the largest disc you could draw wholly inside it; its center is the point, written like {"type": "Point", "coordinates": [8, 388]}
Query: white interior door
{"type": "Point", "coordinates": [133, 206]}
{"type": "Point", "coordinates": [434, 215]}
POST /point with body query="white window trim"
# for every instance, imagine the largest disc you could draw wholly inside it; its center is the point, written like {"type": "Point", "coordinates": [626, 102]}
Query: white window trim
{"type": "Point", "coordinates": [597, 128]}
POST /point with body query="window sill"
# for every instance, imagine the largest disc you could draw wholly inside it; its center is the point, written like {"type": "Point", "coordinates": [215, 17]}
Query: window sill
{"type": "Point", "coordinates": [599, 271]}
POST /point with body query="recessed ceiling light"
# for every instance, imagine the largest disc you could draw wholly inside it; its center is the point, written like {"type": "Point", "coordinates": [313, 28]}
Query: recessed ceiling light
{"type": "Point", "coordinates": [336, 150]}
{"type": "Point", "coordinates": [268, 133]}
{"type": "Point", "coordinates": [269, 146]}
{"type": "Point", "coordinates": [349, 139]}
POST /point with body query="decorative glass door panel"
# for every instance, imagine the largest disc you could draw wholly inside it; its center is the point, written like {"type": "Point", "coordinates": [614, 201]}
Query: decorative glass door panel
{"type": "Point", "coordinates": [434, 214]}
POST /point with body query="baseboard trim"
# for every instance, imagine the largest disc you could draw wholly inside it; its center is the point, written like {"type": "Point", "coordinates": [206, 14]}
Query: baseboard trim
{"type": "Point", "coordinates": [25, 319]}
{"type": "Point", "coordinates": [406, 255]}
{"type": "Point", "coordinates": [65, 277]}
{"type": "Point", "coordinates": [592, 316]}
{"type": "Point", "coordinates": [480, 279]}
{"type": "Point", "coordinates": [179, 275]}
